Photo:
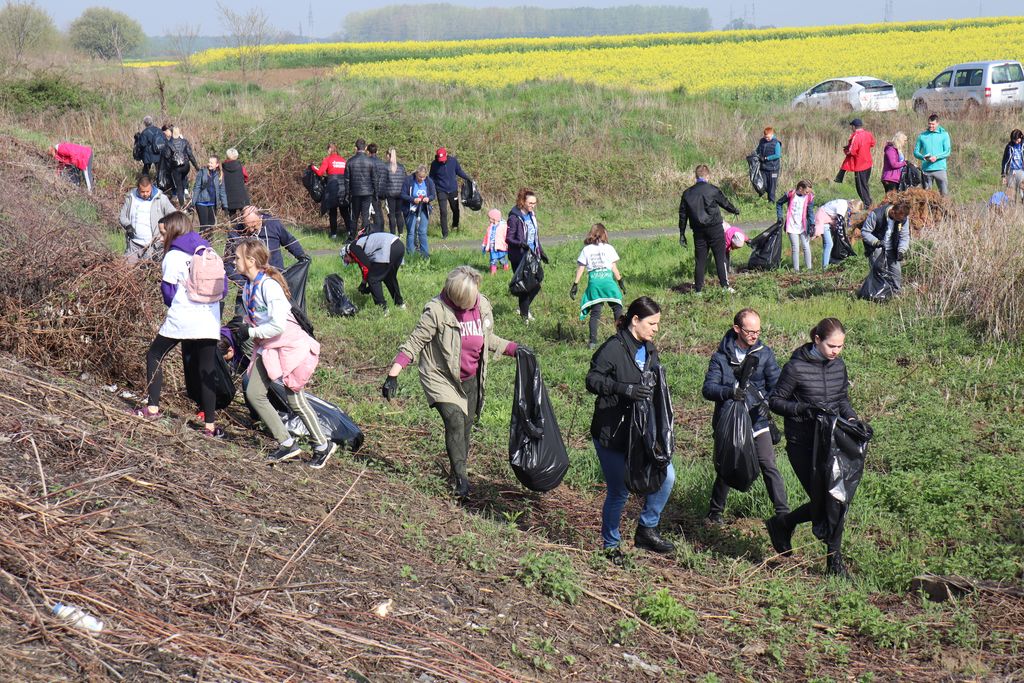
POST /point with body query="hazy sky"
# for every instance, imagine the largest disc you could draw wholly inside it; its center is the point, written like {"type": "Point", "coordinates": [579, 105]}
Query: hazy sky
{"type": "Point", "coordinates": [160, 17]}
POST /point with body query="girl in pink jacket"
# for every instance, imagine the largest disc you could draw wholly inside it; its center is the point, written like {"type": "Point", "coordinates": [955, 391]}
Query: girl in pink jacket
{"type": "Point", "coordinates": [75, 156]}
{"type": "Point", "coordinates": [494, 242]}
{"type": "Point", "coordinates": [282, 351]}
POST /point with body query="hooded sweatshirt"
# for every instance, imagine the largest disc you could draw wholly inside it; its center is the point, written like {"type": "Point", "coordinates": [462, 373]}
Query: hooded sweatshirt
{"type": "Point", "coordinates": [186, 319]}
{"type": "Point", "coordinates": [933, 143]}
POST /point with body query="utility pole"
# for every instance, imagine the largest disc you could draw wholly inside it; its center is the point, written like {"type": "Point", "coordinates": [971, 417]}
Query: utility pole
{"type": "Point", "coordinates": [309, 19]}
{"type": "Point", "coordinates": [887, 12]}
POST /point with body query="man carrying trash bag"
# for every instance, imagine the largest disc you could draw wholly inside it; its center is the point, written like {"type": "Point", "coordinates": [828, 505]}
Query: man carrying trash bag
{"type": "Point", "coordinates": [742, 355]}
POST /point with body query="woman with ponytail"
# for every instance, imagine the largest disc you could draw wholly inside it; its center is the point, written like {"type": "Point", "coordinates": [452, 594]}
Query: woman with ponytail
{"type": "Point", "coordinates": [282, 351]}
{"type": "Point", "coordinates": [617, 378]}
{"type": "Point", "coordinates": [814, 380]}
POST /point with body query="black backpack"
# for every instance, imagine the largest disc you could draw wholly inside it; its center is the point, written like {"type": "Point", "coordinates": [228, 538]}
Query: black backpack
{"type": "Point", "coordinates": [138, 147]}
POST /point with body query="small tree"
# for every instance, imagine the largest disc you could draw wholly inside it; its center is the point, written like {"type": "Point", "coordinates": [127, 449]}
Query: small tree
{"type": "Point", "coordinates": [106, 33]}
{"type": "Point", "coordinates": [183, 44]}
{"type": "Point", "coordinates": [25, 29]}
{"type": "Point", "coordinates": [249, 33]}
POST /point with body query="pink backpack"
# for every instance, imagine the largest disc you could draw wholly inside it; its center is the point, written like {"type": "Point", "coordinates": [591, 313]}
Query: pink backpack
{"type": "Point", "coordinates": [205, 283]}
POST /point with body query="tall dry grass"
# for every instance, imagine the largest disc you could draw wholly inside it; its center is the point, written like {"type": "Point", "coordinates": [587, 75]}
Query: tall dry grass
{"type": "Point", "coordinates": [971, 268]}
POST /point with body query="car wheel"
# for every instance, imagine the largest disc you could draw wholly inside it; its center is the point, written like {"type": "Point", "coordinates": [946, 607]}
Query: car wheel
{"type": "Point", "coordinates": [919, 106]}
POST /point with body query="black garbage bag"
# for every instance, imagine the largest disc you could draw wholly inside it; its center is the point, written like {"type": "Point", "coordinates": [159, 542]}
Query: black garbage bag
{"type": "Point", "coordinates": [879, 285]}
{"type": "Point", "coordinates": [223, 380]}
{"type": "Point", "coordinates": [756, 179]}
{"type": "Point", "coordinates": [528, 275]}
{"type": "Point", "coordinates": [766, 249]}
{"type": "Point", "coordinates": [163, 177]}
{"type": "Point", "coordinates": [535, 448]}
{"type": "Point", "coordinates": [314, 184]}
{"type": "Point", "coordinates": [735, 453]}
{"type": "Point", "coordinates": [840, 448]}
{"type": "Point", "coordinates": [910, 176]}
{"type": "Point", "coordinates": [338, 302]}
{"type": "Point", "coordinates": [841, 247]}
{"type": "Point", "coordinates": [297, 275]}
{"type": "Point", "coordinates": [471, 195]}
{"type": "Point", "coordinates": [335, 422]}
{"type": "Point", "coordinates": [651, 442]}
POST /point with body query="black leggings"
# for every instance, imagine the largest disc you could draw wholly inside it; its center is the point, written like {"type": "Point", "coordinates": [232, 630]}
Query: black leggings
{"type": "Point", "coordinates": [179, 176]}
{"type": "Point", "coordinates": [801, 457]}
{"type": "Point", "coordinates": [395, 222]}
{"type": "Point", "coordinates": [204, 353]}
{"type": "Point", "coordinates": [595, 318]}
{"type": "Point", "coordinates": [207, 219]}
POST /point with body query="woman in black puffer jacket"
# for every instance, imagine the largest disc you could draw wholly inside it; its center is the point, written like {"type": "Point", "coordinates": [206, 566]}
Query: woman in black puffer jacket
{"type": "Point", "coordinates": [814, 380]}
{"type": "Point", "coordinates": [393, 192]}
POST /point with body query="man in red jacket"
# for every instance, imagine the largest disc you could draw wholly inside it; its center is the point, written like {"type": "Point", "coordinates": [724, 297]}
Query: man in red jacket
{"type": "Point", "coordinates": [858, 159]}
{"type": "Point", "coordinates": [76, 156]}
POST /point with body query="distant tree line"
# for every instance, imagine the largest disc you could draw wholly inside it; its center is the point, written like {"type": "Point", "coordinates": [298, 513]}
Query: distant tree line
{"type": "Point", "coordinates": [451, 22]}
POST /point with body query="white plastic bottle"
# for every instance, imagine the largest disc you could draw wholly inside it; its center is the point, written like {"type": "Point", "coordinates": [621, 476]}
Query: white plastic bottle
{"type": "Point", "coordinates": [77, 617]}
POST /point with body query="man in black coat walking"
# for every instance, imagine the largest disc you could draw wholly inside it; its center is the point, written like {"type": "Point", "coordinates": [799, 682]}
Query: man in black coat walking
{"type": "Point", "coordinates": [699, 207]}
{"type": "Point", "coordinates": [362, 180]}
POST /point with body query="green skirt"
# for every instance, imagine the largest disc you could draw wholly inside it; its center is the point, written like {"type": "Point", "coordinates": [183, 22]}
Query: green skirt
{"type": "Point", "coordinates": [601, 289]}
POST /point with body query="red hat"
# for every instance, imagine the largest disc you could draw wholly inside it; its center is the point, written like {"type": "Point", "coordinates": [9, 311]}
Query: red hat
{"type": "Point", "coordinates": [442, 154]}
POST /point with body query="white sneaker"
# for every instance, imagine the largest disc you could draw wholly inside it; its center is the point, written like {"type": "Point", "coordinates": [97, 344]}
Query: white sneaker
{"type": "Point", "coordinates": [730, 290]}
{"type": "Point", "coordinates": [529, 316]}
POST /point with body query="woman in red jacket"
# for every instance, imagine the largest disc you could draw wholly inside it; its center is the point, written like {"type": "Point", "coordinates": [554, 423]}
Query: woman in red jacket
{"type": "Point", "coordinates": [858, 159]}
{"type": "Point", "coordinates": [335, 194]}
{"type": "Point", "coordinates": [76, 156]}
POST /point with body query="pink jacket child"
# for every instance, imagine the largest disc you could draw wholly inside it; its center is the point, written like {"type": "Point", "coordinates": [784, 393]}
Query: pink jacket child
{"type": "Point", "coordinates": [76, 156]}
{"type": "Point", "coordinates": [734, 238]}
{"type": "Point", "coordinates": [292, 355]}
{"type": "Point", "coordinates": [494, 242]}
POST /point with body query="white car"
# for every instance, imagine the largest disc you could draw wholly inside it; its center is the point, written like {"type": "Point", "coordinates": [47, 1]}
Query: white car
{"type": "Point", "coordinates": [966, 87]}
{"type": "Point", "coordinates": [852, 93]}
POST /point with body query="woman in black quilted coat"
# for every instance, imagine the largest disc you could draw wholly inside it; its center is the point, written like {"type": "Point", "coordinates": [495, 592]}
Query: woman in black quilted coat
{"type": "Point", "coordinates": [814, 380]}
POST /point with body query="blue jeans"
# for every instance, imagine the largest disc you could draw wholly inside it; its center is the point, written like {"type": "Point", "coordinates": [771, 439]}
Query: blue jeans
{"type": "Point", "coordinates": [613, 464]}
{"type": "Point", "coordinates": [416, 231]}
{"type": "Point", "coordinates": [826, 249]}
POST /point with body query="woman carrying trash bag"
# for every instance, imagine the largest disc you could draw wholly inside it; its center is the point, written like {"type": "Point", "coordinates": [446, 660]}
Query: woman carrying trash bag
{"type": "Point", "coordinates": [523, 237]}
{"type": "Point", "coordinates": [814, 380]}
{"type": "Point", "coordinates": [616, 378]}
{"type": "Point", "coordinates": [454, 341]}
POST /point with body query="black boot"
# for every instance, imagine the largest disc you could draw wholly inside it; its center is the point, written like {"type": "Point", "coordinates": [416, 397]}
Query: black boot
{"type": "Point", "coordinates": [648, 538]}
{"type": "Point", "coordinates": [780, 534]}
{"type": "Point", "coordinates": [461, 487]}
{"type": "Point", "coordinates": [834, 566]}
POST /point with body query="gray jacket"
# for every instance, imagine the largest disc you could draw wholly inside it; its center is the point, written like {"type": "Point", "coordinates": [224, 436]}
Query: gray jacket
{"type": "Point", "coordinates": [159, 206]}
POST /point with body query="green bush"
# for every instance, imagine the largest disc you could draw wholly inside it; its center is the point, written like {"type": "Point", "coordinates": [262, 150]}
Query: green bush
{"type": "Point", "coordinates": [43, 92]}
{"type": "Point", "coordinates": [660, 609]}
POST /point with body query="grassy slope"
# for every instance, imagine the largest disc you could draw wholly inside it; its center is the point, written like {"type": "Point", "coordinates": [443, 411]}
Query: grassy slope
{"type": "Point", "coordinates": [944, 472]}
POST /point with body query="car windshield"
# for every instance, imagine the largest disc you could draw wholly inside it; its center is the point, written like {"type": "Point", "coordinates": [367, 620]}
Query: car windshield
{"type": "Point", "coordinates": [1007, 73]}
{"type": "Point", "coordinates": [875, 84]}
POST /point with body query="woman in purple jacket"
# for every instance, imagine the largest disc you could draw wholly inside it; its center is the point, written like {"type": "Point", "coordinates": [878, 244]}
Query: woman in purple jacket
{"type": "Point", "coordinates": [893, 162]}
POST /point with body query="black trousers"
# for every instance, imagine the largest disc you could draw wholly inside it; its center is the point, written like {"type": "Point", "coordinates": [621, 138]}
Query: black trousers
{"type": "Point", "coordinates": [146, 166]}
{"type": "Point", "coordinates": [595, 318]}
{"type": "Point", "coordinates": [861, 180]}
{"type": "Point", "coordinates": [202, 351]}
{"type": "Point", "coordinates": [444, 201]}
{"type": "Point", "coordinates": [705, 239]}
{"type": "Point", "coordinates": [771, 183]}
{"type": "Point", "coordinates": [207, 219]}
{"type": "Point", "coordinates": [395, 222]}
{"type": "Point", "coordinates": [386, 273]}
{"type": "Point", "coordinates": [457, 428]}
{"type": "Point", "coordinates": [801, 457]}
{"type": "Point", "coordinates": [344, 211]}
{"type": "Point", "coordinates": [179, 176]}
{"type": "Point", "coordinates": [360, 214]}
{"type": "Point", "coordinates": [769, 470]}
{"type": "Point", "coordinates": [377, 221]}
{"type": "Point", "coordinates": [524, 299]}
{"type": "Point", "coordinates": [889, 186]}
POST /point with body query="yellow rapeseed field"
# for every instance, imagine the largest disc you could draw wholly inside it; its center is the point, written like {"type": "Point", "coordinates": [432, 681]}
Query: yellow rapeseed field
{"type": "Point", "coordinates": [725, 66]}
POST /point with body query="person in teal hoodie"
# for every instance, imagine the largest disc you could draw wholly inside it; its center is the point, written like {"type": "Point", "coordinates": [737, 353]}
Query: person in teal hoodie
{"type": "Point", "coordinates": [933, 148]}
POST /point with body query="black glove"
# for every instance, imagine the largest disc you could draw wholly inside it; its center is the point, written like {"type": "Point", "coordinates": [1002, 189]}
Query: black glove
{"type": "Point", "coordinates": [806, 410]}
{"type": "Point", "coordinates": [682, 239]}
{"type": "Point", "coordinates": [130, 232]}
{"type": "Point", "coordinates": [900, 255]}
{"type": "Point", "coordinates": [739, 394]}
{"type": "Point", "coordinates": [574, 290]}
{"type": "Point", "coordinates": [622, 285]}
{"type": "Point", "coordinates": [242, 333]}
{"type": "Point", "coordinates": [305, 259]}
{"type": "Point", "coordinates": [637, 392]}
{"type": "Point", "coordinates": [544, 257]}
{"type": "Point", "coordinates": [390, 388]}
{"type": "Point", "coordinates": [364, 287]}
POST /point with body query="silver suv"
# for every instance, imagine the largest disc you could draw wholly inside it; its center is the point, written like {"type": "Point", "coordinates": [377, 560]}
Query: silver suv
{"type": "Point", "coordinates": [965, 87]}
